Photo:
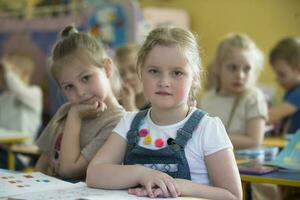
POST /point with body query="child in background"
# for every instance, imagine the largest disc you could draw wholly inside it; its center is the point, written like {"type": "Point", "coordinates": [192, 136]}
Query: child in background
{"type": "Point", "coordinates": [232, 94]}
{"type": "Point", "coordinates": [171, 149]}
{"type": "Point", "coordinates": [285, 61]}
{"type": "Point", "coordinates": [80, 127]}
{"type": "Point", "coordinates": [20, 102]}
{"type": "Point", "coordinates": [132, 97]}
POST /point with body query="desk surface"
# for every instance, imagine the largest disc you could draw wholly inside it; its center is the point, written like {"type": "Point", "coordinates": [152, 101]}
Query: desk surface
{"type": "Point", "coordinates": [280, 178]}
{"type": "Point", "coordinates": [26, 149]}
{"type": "Point", "coordinates": [275, 142]}
{"type": "Point", "coordinates": [12, 138]}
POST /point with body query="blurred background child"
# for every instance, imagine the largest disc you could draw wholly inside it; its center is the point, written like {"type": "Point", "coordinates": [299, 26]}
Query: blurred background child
{"type": "Point", "coordinates": [232, 94]}
{"type": "Point", "coordinates": [80, 127]}
{"type": "Point", "coordinates": [285, 61]}
{"type": "Point", "coordinates": [20, 102]}
{"type": "Point", "coordinates": [131, 97]}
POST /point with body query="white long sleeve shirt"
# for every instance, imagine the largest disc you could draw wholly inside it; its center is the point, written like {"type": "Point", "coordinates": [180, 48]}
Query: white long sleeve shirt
{"type": "Point", "coordinates": [20, 107]}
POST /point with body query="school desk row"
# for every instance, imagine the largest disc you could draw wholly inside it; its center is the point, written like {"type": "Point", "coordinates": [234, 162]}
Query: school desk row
{"type": "Point", "coordinates": [11, 139]}
{"type": "Point", "coordinates": [287, 178]}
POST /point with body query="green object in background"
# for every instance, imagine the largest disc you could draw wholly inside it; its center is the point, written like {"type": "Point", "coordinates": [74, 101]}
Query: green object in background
{"type": "Point", "coordinates": [289, 157]}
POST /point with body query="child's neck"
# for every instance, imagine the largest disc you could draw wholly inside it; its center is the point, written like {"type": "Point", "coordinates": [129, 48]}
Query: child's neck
{"type": "Point", "coordinates": [169, 116]}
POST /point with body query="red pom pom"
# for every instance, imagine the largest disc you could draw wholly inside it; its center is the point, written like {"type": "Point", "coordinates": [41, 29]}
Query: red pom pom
{"type": "Point", "coordinates": [159, 142]}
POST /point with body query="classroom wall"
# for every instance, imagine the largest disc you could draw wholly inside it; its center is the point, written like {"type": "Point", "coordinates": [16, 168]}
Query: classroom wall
{"type": "Point", "coordinates": [265, 21]}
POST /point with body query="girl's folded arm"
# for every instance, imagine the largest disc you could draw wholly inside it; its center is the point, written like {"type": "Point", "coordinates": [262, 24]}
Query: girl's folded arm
{"type": "Point", "coordinates": [43, 163]}
{"type": "Point", "coordinates": [106, 169]}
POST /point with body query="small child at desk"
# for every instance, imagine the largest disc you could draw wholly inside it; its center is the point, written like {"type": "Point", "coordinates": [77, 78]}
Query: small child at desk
{"type": "Point", "coordinates": [131, 97]}
{"type": "Point", "coordinates": [80, 127]}
{"type": "Point", "coordinates": [232, 94]}
{"type": "Point", "coordinates": [20, 101]}
{"type": "Point", "coordinates": [285, 61]}
{"type": "Point", "coordinates": [171, 149]}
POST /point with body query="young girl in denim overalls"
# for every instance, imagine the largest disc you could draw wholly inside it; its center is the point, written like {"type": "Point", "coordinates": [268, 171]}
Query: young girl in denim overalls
{"type": "Point", "coordinates": [171, 149]}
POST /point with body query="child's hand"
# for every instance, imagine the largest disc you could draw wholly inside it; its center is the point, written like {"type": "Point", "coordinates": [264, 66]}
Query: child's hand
{"type": "Point", "coordinates": [88, 110]}
{"type": "Point", "coordinates": [163, 184]}
{"type": "Point", "coordinates": [11, 67]}
{"type": "Point", "coordinates": [142, 192]}
{"type": "Point", "coordinates": [128, 97]}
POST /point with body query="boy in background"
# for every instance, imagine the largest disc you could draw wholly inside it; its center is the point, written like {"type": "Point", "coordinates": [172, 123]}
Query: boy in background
{"type": "Point", "coordinates": [285, 61]}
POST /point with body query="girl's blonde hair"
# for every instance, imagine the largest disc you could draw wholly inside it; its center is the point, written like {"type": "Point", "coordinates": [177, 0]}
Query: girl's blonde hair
{"type": "Point", "coordinates": [82, 46]}
{"type": "Point", "coordinates": [239, 41]}
{"type": "Point", "coordinates": [123, 52]}
{"type": "Point", "coordinates": [287, 49]}
{"type": "Point", "coordinates": [184, 40]}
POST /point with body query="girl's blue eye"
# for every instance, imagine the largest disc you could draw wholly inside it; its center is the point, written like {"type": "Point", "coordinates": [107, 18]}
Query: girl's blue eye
{"type": "Point", "coordinates": [85, 78]}
{"type": "Point", "coordinates": [247, 69]}
{"type": "Point", "coordinates": [67, 87]}
{"type": "Point", "coordinates": [153, 71]}
{"type": "Point", "coordinates": [232, 67]}
{"type": "Point", "coordinates": [177, 73]}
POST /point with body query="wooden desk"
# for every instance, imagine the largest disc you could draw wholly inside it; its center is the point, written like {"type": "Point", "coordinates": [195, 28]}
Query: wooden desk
{"type": "Point", "coordinates": [27, 149]}
{"type": "Point", "coordinates": [9, 140]}
{"type": "Point", "coordinates": [279, 178]}
{"type": "Point", "coordinates": [275, 142]}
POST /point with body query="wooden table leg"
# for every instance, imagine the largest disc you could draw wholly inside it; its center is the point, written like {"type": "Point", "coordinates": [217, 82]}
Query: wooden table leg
{"type": "Point", "coordinates": [245, 189]}
{"type": "Point", "coordinates": [10, 157]}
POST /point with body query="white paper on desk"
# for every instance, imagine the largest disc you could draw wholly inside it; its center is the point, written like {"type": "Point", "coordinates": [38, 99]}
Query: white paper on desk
{"type": "Point", "coordinates": [81, 192]}
{"type": "Point", "coordinates": [21, 183]}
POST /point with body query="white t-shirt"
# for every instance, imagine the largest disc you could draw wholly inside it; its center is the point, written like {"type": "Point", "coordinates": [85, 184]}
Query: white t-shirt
{"type": "Point", "coordinates": [252, 105]}
{"type": "Point", "coordinates": [209, 137]}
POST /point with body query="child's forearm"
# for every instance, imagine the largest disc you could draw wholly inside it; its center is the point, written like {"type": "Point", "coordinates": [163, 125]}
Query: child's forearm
{"type": "Point", "coordinates": [189, 188]}
{"type": "Point", "coordinates": [111, 176]}
{"type": "Point", "coordinates": [282, 110]}
{"type": "Point", "coordinates": [70, 145]}
{"type": "Point", "coordinates": [243, 142]}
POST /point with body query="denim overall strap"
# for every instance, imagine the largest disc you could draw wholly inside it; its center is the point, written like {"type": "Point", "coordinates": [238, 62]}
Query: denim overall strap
{"type": "Point", "coordinates": [185, 133]}
{"type": "Point", "coordinates": [132, 134]}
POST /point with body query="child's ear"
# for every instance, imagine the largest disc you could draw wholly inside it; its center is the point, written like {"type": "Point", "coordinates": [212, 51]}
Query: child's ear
{"type": "Point", "coordinates": [108, 66]}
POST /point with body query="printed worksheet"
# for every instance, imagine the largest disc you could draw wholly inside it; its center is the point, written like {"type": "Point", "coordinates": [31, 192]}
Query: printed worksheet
{"type": "Point", "coordinates": [38, 186]}
{"type": "Point", "coordinates": [20, 183]}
